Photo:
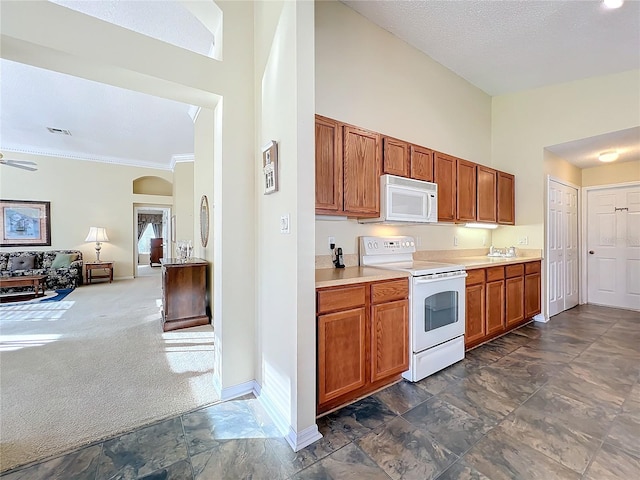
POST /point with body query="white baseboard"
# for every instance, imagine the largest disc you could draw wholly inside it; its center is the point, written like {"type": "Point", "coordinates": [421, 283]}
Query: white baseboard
{"type": "Point", "coordinates": [304, 438]}
{"type": "Point", "coordinates": [540, 318]}
{"type": "Point", "coordinates": [297, 440]}
{"type": "Point", "coordinates": [238, 390]}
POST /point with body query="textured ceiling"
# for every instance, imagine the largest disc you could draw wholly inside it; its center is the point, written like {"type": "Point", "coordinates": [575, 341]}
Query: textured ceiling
{"type": "Point", "coordinates": [509, 46]}
{"type": "Point", "coordinates": [499, 46]}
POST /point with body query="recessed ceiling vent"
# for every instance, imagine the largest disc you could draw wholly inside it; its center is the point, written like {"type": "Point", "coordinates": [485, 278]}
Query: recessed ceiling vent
{"type": "Point", "coordinates": [58, 131]}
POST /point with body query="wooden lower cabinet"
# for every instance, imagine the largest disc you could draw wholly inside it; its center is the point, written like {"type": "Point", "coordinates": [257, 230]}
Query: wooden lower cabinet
{"type": "Point", "coordinates": [499, 299]}
{"type": "Point", "coordinates": [184, 293]}
{"type": "Point", "coordinates": [532, 289]}
{"type": "Point", "coordinates": [341, 353]}
{"type": "Point", "coordinates": [475, 314]}
{"type": "Point", "coordinates": [363, 340]}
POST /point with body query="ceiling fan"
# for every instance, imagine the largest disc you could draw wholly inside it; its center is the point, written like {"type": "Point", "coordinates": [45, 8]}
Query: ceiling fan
{"type": "Point", "coordinates": [24, 164]}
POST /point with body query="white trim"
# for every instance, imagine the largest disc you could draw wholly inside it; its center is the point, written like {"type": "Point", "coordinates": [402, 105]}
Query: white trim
{"type": "Point", "coordinates": [540, 318]}
{"type": "Point", "coordinates": [584, 283]}
{"type": "Point", "coordinates": [181, 158]}
{"type": "Point", "coordinates": [194, 110]}
{"type": "Point", "coordinates": [238, 390]}
{"type": "Point", "coordinates": [306, 437]}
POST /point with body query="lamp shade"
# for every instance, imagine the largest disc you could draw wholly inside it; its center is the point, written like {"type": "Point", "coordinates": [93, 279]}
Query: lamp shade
{"type": "Point", "coordinates": [97, 234]}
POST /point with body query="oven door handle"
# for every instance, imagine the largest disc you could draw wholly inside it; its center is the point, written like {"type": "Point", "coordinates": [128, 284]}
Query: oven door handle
{"type": "Point", "coordinates": [436, 278]}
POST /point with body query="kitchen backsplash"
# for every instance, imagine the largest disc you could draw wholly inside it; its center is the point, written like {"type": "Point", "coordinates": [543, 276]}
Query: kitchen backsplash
{"type": "Point", "coordinates": [352, 260]}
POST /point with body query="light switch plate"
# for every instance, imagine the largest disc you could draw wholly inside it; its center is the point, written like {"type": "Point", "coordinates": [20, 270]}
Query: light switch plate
{"type": "Point", "coordinates": [285, 224]}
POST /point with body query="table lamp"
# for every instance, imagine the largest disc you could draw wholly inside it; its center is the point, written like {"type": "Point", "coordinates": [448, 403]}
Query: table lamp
{"type": "Point", "coordinates": [98, 235]}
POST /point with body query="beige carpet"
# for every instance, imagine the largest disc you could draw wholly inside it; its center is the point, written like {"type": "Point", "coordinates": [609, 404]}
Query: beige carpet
{"type": "Point", "coordinates": [94, 365]}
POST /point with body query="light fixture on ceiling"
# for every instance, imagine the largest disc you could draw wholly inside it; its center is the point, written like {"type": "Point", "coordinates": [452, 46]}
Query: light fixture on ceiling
{"type": "Point", "coordinates": [613, 3]}
{"type": "Point", "coordinates": [609, 156]}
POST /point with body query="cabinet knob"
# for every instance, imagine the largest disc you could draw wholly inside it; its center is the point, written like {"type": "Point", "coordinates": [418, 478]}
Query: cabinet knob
{"type": "Point", "coordinates": [591, 252]}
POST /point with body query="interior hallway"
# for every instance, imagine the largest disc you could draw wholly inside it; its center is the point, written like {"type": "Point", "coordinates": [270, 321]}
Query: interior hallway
{"type": "Point", "coordinates": [558, 400]}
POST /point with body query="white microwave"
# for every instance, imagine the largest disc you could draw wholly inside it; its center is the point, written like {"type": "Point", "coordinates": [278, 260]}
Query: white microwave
{"type": "Point", "coordinates": [405, 200]}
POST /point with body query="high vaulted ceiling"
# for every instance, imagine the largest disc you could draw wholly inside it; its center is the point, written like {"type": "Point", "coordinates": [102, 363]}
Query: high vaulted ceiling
{"type": "Point", "coordinates": [499, 46]}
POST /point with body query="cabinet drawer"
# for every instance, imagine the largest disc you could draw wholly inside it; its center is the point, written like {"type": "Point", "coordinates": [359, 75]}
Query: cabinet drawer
{"type": "Point", "coordinates": [475, 276]}
{"type": "Point", "coordinates": [495, 273]}
{"type": "Point", "coordinates": [341, 299]}
{"type": "Point", "coordinates": [514, 270]}
{"type": "Point", "coordinates": [532, 267]}
{"type": "Point", "coordinates": [388, 291]}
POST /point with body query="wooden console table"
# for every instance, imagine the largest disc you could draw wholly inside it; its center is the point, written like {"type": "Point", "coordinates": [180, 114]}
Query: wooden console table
{"type": "Point", "coordinates": [184, 293]}
{"type": "Point", "coordinates": [106, 267]}
{"type": "Point", "coordinates": [35, 281]}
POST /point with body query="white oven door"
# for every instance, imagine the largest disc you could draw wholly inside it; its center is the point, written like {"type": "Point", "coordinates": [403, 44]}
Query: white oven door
{"type": "Point", "coordinates": [438, 310]}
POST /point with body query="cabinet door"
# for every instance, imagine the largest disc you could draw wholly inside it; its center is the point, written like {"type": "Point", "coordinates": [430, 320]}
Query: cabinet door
{"type": "Point", "coordinates": [421, 161]}
{"type": "Point", "coordinates": [532, 295]}
{"type": "Point", "coordinates": [514, 307]}
{"type": "Point", "coordinates": [475, 314]}
{"type": "Point", "coordinates": [341, 353]}
{"type": "Point", "coordinates": [487, 191]}
{"type": "Point", "coordinates": [466, 190]}
{"type": "Point", "coordinates": [361, 172]}
{"type": "Point", "coordinates": [328, 166]}
{"type": "Point", "coordinates": [495, 307]}
{"type": "Point", "coordinates": [389, 339]}
{"type": "Point", "coordinates": [506, 198]}
{"type": "Point", "coordinates": [444, 174]}
{"type": "Point", "coordinates": [395, 157]}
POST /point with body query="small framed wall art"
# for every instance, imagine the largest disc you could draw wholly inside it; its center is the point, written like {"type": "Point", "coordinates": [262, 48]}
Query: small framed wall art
{"type": "Point", "coordinates": [25, 223]}
{"type": "Point", "coordinates": [270, 167]}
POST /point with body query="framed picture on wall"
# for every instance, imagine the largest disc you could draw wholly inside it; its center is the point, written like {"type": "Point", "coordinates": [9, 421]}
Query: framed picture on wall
{"type": "Point", "coordinates": [25, 223]}
{"type": "Point", "coordinates": [270, 167]}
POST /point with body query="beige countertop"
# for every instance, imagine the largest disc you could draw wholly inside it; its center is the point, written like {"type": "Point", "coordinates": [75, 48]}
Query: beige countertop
{"type": "Point", "coordinates": [483, 261]}
{"type": "Point", "coordinates": [333, 277]}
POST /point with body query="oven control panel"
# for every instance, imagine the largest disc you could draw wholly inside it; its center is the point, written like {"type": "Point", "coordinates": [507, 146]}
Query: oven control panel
{"type": "Point", "coordinates": [387, 245]}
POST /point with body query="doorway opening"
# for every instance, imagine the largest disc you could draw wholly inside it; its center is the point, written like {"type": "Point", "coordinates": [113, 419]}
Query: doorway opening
{"type": "Point", "coordinates": [152, 234]}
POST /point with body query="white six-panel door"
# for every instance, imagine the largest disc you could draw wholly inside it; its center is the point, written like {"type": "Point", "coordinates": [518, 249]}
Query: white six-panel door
{"type": "Point", "coordinates": [613, 245]}
{"type": "Point", "coordinates": [562, 247]}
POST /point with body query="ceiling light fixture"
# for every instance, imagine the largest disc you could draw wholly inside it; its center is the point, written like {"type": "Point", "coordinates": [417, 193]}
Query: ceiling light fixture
{"type": "Point", "coordinates": [613, 3]}
{"type": "Point", "coordinates": [608, 156]}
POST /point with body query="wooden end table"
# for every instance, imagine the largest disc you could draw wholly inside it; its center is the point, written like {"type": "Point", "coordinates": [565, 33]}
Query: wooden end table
{"type": "Point", "coordinates": [35, 281]}
{"type": "Point", "coordinates": [106, 267]}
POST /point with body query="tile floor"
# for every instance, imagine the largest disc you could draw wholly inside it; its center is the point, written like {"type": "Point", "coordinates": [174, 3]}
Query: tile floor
{"type": "Point", "coordinates": [549, 401]}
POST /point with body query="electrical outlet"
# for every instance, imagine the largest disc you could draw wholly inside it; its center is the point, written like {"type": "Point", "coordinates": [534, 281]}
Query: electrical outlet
{"type": "Point", "coordinates": [455, 240]}
{"type": "Point", "coordinates": [285, 224]}
{"type": "Point", "coordinates": [523, 240]}
{"type": "Point", "coordinates": [332, 241]}
{"type": "Point", "coordinates": [484, 241]}
{"type": "Point", "coordinates": [418, 241]}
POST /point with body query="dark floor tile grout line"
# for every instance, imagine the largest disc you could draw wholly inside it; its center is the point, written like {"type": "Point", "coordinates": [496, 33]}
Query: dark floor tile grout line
{"type": "Point", "coordinates": [186, 444]}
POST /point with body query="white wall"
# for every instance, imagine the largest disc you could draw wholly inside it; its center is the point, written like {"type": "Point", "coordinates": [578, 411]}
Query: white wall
{"type": "Point", "coordinates": [183, 207]}
{"type": "Point", "coordinates": [368, 77]}
{"type": "Point", "coordinates": [525, 123]}
{"type": "Point", "coordinates": [85, 194]}
{"type": "Point", "coordinates": [285, 282]}
{"type": "Point", "coordinates": [611, 174]}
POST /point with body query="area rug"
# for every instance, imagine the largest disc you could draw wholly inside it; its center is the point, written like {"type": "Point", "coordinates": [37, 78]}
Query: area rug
{"type": "Point", "coordinates": [93, 365]}
{"type": "Point", "coordinates": [49, 296]}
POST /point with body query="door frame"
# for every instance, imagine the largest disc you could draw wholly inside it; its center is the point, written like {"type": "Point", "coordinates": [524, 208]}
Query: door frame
{"type": "Point", "coordinates": [166, 212]}
{"type": "Point", "coordinates": [581, 292]}
{"type": "Point", "coordinates": [584, 274]}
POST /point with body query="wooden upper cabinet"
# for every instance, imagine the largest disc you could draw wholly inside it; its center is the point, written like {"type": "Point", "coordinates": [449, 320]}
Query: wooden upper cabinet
{"type": "Point", "coordinates": [361, 164]}
{"type": "Point", "coordinates": [395, 157]}
{"type": "Point", "coordinates": [444, 174]}
{"type": "Point", "coordinates": [506, 198]}
{"type": "Point", "coordinates": [487, 191]}
{"type": "Point", "coordinates": [466, 190]}
{"type": "Point", "coordinates": [421, 162]}
{"type": "Point", "coordinates": [328, 166]}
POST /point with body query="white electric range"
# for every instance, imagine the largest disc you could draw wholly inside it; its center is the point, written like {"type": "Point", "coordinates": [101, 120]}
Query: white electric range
{"type": "Point", "coordinates": [437, 303]}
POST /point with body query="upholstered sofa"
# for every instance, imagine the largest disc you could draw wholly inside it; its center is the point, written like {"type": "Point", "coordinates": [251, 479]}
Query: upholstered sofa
{"type": "Point", "coordinates": [63, 268]}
